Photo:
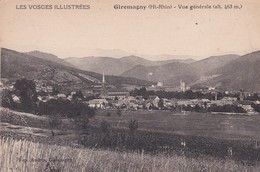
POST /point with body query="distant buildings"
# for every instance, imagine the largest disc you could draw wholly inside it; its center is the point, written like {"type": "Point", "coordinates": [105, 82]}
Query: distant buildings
{"type": "Point", "coordinates": [98, 103]}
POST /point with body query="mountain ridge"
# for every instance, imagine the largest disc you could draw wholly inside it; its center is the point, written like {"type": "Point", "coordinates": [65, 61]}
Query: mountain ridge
{"type": "Point", "coordinates": [116, 66]}
{"type": "Point", "coordinates": [16, 65]}
{"type": "Point", "coordinates": [50, 57]}
{"type": "Point", "coordinates": [227, 72]}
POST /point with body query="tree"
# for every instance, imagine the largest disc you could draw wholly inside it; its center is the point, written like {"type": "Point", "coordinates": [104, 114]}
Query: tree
{"type": "Point", "coordinates": [108, 114]}
{"type": "Point", "coordinates": [256, 107]}
{"type": "Point", "coordinates": [55, 91]}
{"type": "Point", "coordinates": [119, 112]}
{"type": "Point", "coordinates": [80, 114]}
{"type": "Point", "coordinates": [78, 95]}
{"type": "Point", "coordinates": [7, 100]}
{"type": "Point", "coordinates": [206, 105]}
{"type": "Point", "coordinates": [143, 92]}
{"type": "Point", "coordinates": [81, 121]}
{"type": "Point", "coordinates": [105, 127]}
{"type": "Point", "coordinates": [133, 125]}
{"type": "Point", "coordinates": [197, 108]}
{"type": "Point", "coordinates": [161, 103]}
{"type": "Point", "coordinates": [54, 122]}
{"type": "Point", "coordinates": [26, 90]}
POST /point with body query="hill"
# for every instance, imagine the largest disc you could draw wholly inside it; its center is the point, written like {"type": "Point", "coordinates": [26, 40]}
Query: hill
{"type": "Point", "coordinates": [169, 74]}
{"type": "Point", "coordinates": [204, 66]}
{"type": "Point", "coordinates": [16, 65]}
{"type": "Point", "coordinates": [227, 72]}
{"type": "Point", "coordinates": [50, 57]}
{"type": "Point", "coordinates": [116, 66]}
{"type": "Point", "coordinates": [239, 74]}
{"type": "Point", "coordinates": [108, 65]}
{"type": "Point", "coordinates": [172, 73]}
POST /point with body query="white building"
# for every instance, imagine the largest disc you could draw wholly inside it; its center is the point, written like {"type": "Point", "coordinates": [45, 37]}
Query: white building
{"type": "Point", "coordinates": [98, 103]}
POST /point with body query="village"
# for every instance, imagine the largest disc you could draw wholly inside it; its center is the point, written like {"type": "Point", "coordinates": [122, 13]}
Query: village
{"type": "Point", "coordinates": [103, 96]}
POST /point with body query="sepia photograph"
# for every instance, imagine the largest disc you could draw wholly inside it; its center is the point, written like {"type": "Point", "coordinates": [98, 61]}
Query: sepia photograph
{"type": "Point", "coordinates": [130, 86]}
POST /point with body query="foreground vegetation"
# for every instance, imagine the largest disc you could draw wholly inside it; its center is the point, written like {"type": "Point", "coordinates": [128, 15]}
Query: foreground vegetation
{"type": "Point", "coordinates": [18, 155]}
{"type": "Point", "coordinates": [114, 132]}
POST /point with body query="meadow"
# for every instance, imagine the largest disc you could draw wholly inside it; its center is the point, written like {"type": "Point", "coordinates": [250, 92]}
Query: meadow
{"type": "Point", "coordinates": [28, 156]}
{"type": "Point", "coordinates": [229, 127]}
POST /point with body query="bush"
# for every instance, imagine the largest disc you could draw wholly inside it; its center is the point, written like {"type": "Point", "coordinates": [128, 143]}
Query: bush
{"type": "Point", "coordinates": [105, 127]}
{"type": "Point", "coordinates": [7, 100]}
{"type": "Point", "coordinates": [133, 125]}
{"type": "Point", "coordinates": [119, 112]}
{"type": "Point", "coordinates": [55, 122]}
{"type": "Point", "coordinates": [108, 114]}
{"type": "Point", "coordinates": [81, 121]}
{"type": "Point", "coordinates": [256, 107]}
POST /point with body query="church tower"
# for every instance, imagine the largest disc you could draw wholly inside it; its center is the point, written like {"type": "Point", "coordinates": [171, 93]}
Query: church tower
{"type": "Point", "coordinates": [182, 86]}
{"type": "Point", "coordinates": [104, 87]}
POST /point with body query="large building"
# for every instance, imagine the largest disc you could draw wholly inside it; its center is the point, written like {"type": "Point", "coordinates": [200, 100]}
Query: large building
{"type": "Point", "coordinates": [112, 93]}
{"type": "Point", "coordinates": [117, 94]}
{"type": "Point", "coordinates": [182, 86]}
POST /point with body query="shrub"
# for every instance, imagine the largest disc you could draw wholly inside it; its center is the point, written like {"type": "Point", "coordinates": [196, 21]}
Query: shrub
{"type": "Point", "coordinates": [81, 121]}
{"type": "Point", "coordinates": [133, 125]}
{"type": "Point", "coordinates": [119, 112]}
{"type": "Point", "coordinates": [7, 100]}
{"type": "Point", "coordinates": [55, 122]}
{"type": "Point", "coordinates": [105, 127]}
{"type": "Point", "coordinates": [108, 114]}
{"type": "Point", "coordinates": [256, 107]}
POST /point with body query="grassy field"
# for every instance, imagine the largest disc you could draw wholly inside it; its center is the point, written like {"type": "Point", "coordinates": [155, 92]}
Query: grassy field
{"type": "Point", "coordinates": [27, 156]}
{"type": "Point", "coordinates": [190, 123]}
{"type": "Point", "coordinates": [233, 127]}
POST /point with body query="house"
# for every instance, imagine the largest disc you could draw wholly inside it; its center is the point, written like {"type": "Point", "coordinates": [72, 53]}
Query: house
{"type": "Point", "coordinates": [39, 98]}
{"type": "Point", "coordinates": [228, 100]}
{"type": "Point", "coordinates": [211, 88]}
{"type": "Point", "coordinates": [149, 105]}
{"type": "Point", "coordinates": [130, 98]}
{"type": "Point", "coordinates": [15, 98]}
{"type": "Point", "coordinates": [69, 97]}
{"type": "Point", "coordinates": [186, 103]}
{"type": "Point", "coordinates": [98, 103]}
{"type": "Point", "coordinates": [49, 89]}
{"type": "Point", "coordinates": [139, 98]}
{"type": "Point", "coordinates": [61, 96]}
{"type": "Point", "coordinates": [117, 94]}
{"type": "Point", "coordinates": [168, 103]}
{"type": "Point", "coordinates": [246, 105]}
{"type": "Point", "coordinates": [45, 99]}
{"type": "Point", "coordinates": [152, 101]}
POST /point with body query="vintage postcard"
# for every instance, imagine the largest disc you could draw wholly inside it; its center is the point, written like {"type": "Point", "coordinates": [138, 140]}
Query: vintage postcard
{"type": "Point", "coordinates": [130, 85]}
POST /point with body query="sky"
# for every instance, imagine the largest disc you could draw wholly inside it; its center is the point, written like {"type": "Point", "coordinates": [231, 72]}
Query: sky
{"type": "Point", "coordinates": [74, 33]}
